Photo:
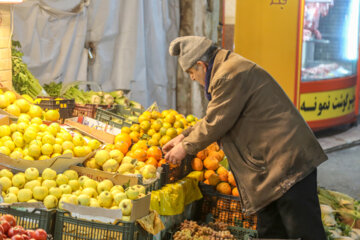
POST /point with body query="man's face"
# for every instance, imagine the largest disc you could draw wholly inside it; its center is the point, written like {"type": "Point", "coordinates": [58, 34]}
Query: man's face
{"type": "Point", "coordinates": [198, 72]}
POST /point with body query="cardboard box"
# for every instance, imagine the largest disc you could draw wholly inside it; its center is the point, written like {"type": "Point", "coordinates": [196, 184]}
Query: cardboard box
{"type": "Point", "coordinates": [99, 175]}
{"type": "Point", "coordinates": [93, 123]}
{"type": "Point", "coordinates": [59, 164]}
{"type": "Point", "coordinates": [101, 135]}
{"type": "Point", "coordinates": [141, 207]}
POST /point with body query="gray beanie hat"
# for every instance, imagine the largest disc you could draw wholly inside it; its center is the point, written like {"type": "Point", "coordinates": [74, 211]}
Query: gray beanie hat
{"type": "Point", "coordinates": [189, 49]}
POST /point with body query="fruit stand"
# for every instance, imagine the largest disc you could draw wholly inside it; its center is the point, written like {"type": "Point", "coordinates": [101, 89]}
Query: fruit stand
{"type": "Point", "coordinates": [79, 163]}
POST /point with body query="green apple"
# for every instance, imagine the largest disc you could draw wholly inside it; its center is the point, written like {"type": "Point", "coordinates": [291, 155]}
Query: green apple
{"type": "Point", "coordinates": [71, 174]}
{"type": "Point", "coordinates": [6, 173]}
{"type": "Point", "coordinates": [104, 185]}
{"type": "Point", "coordinates": [50, 202]}
{"type": "Point", "coordinates": [40, 192]}
{"type": "Point", "coordinates": [10, 198]}
{"type": "Point", "coordinates": [31, 174]}
{"type": "Point", "coordinates": [66, 188]}
{"type": "Point", "coordinates": [56, 192]}
{"type": "Point", "coordinates": [49, 174]}
{"type": "Point", "coordinates": [49, 183]}
{"type": "Point", "coordinates": [34, 183]}
{"type": "Point", "coordinates": [24, 195]}
{"type": "Point", "coordinates": [14, 190]}
{"type": "Point", "coordinates": [90, 183]}
{"type": "Point", "coordinates": [105, 199]}
{"type": "Point", "coordinates": [82, 180]}
{"type": "Point", "coordinates": [84, 200]}
{"type": "Point", "coordinates": [61, 179]}
{"type": "Point", "coordinates": [6, 183]}
{"type": "Point", "coordinates": [90, 192]}
{"type": "Point", "coordinates": [119, 197]}
{"type": "Point", "coordinates": [18, 180]}
{"type": "Point", "coordinates": [132, 193]}
{"type": "Point", "coordinates": [94, 202]}
{"type": "Point", "coordinates": [126, 207]}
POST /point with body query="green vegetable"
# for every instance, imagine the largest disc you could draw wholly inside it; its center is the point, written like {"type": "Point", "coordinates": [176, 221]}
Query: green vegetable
{"type": "Point", "coordinates": [23, 80]}
{"type": "Point", "coordinates": [53, 89]}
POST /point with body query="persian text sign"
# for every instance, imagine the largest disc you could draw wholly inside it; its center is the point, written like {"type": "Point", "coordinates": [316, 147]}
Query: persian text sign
{"type": "Point", "coordinates": [326, 105]}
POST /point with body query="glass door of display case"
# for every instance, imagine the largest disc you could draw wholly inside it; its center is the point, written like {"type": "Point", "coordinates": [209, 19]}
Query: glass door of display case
{"type": "Point", "coordinates": [311, 48]}
{"type": "Point", "coordinates": [329, 62]}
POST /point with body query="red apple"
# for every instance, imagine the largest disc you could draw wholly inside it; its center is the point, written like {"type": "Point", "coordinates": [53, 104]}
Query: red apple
{"type": "Point", "coordinates": [9, 218]}
{"type": "Point", "coordinates": [40, 234]}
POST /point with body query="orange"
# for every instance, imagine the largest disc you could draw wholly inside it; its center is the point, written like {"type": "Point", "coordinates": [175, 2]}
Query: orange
{"type": "Point", "coordinates": [154, 152]}
{"type": "Point", "coordinates": [145, 125]}
{"type": "Point", "coordinates": [122, 146]}
{"type": "Point", "coordinates": [134, 136]}
{"type": "Point", "coordinates": [214, 179]}
{"type": "Point", "coordinates": [197, 164]}
{"type": "Point", "coordinates": [202, 154]}
{"type": "Point", "coordinates": [235, 192]}
{"type": "Point", "coordinates": [222, 170]}
{"type": "Point", "coordinates": [123, 137]}
{"type": "Point", "coordinates": [211, 163]}
{"type": "Point", "coordinates": [135, 128]}
{"type": "Point", "coordinates": [213, 147]}
{"type": "Point", "coordinates": [231, 179]}
{"type": "Point", "coordinates": [207, 182]}
{"type": "Point", "coordinates": [224, 188]}
{"type": "Point", "coordinates": [155, 115]}
{"type": "Point", "coordinates": [216, 155]}
{"type": "Point", "coordinates": [125, 130]}
{"type": "Point", "coordinates": [161, 162]}
{"type": "Point", "coordinates": [152, 161]}
{"type": "Point", "coordinates": [140, 154]}
{"type": "Point", "coordinates": [139, 145]}
{"type": "Point", "coordinates": [164, 139]}
{"type": "Point", "coordinates": [208, 173]}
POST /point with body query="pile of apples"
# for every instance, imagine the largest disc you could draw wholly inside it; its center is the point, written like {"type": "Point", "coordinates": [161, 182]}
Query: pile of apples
{"type": "Point", "coordinates": [55, 189]}
{"type": "Point", "coordinates": [9, 230]}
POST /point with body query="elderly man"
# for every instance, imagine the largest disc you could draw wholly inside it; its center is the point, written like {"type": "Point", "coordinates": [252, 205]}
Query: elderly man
{"type": "Point", "coordinates": [272, 152]}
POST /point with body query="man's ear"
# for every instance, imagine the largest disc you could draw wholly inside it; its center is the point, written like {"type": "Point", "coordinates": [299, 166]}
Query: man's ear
{"type": "Point", "coordinates": [202, 64]}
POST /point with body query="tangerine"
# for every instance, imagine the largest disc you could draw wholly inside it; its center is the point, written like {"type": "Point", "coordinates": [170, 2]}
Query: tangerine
{"type": "Point", "coordinates": [154, 152]}
{"type": "Point", "coordinates": [152, 161]}
{"type": "Point", "coordinates": [235, 192]}
{"type": "Point", "coordinates": [161, 162]}
{"type": "Point", "coordinates": [122, 146]}
{"type": "Point", "coordinates": [211, 163]}
{"type": "Point", "coordinates": [208, 173]}
{"type": "Point", "coordinates": [224, 188]}
{"type": "Point", "coordinates": [231, 179]}
{"type": "Point", "coordinates": [197, 164]}
{"type": "Point", "coordinates": [124, 137]}
{"type": "Point", "coordinates": [140, 154]}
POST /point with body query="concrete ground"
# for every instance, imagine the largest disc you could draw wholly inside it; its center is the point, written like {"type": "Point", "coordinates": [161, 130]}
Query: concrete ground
{"type": "Point", "coordinates": [341, 172]}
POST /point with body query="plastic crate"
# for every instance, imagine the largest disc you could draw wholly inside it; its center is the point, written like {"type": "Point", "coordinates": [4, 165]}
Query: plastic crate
{"type": "Point", "coordinates": [36, 218]}
{"type": "Point", "coordinates": [156, 185]}
{"type": "Point", "coordinates": [224, 208]}
{"type": "Point", "coordinates": [68, 228]}
{"type": "Point", "coordinates": [88, 110]}
{"type": "Point", "coordinates": [64, 106]}
{"type": "Point", "coordinates": [172, 174]}
{"type": "Point", "coordinates": [117, 116]}
{"type": "Point", "coordinates": [243, 233]}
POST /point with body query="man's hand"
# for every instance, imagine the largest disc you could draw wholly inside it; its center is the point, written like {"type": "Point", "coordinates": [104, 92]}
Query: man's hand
{"type": "Point", "coordinates": [168, 146]}
{"type": "Point", "coordinates": [176, 154]}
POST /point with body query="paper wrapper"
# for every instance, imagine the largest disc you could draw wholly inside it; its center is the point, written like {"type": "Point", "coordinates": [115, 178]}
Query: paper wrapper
{"type": "Point", "coordinates": [151, 223]}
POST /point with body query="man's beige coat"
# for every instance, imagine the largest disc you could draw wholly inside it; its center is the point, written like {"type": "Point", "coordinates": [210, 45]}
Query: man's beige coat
{"type": "Point", "coordinates": [268, 144]}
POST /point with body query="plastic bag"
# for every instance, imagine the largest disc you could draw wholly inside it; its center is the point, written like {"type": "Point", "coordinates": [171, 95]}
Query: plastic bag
{"type": "Point", "coordinates": [151, 223]}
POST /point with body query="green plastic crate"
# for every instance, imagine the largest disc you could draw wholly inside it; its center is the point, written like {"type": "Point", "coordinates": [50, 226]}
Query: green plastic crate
{"type": "Point", "coordinates": [36, 218]}
{"type": "Point", "coordinates": [243, 233]}
{"type": "Point", "coordinates": [71, 228]}
{"type": "Point", "coordinates": [117, 116]}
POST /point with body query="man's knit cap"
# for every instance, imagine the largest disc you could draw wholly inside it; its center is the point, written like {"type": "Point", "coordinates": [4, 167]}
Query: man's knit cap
{"type": "Point", "coordinates": [189, 49]}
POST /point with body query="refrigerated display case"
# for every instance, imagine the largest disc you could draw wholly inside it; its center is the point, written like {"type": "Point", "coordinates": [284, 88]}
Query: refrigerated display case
{"type": "Point", "coordinates": [311, 47]}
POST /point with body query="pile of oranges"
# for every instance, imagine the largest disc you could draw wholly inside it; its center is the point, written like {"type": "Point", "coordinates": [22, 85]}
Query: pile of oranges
{"type": "Point", "coordinates": [143, 141]}
{"type": "Point", "coordinates": [158, 128]}
{"type": "Point", "coordinates": [208, 161]}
